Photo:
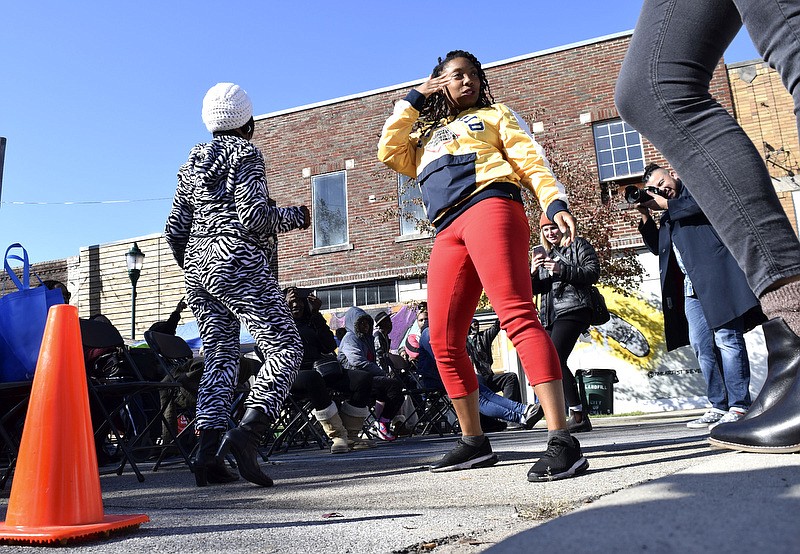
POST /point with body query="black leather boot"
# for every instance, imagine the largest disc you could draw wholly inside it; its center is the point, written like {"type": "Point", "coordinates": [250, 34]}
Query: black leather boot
{"type": "Point", "coordinates": [783, 362]}
{"type": "Point", "coordinates": [206, 468]}
{"type": "Point", "coordinates": [775, 425]}
{"type": "Point", "coordinates": [243, 442]}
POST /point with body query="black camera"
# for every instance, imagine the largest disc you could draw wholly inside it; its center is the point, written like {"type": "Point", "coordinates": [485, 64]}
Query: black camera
{"type": "Point", "coordinates": [634, 194]}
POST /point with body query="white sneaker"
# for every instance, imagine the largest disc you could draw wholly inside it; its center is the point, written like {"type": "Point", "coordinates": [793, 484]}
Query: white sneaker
{"type": "Point", "coordinates": [711, 417]}
{"type": "Point", "coordinates": [730, 417]}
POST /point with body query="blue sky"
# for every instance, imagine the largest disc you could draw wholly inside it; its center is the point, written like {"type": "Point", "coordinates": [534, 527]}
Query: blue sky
{"type": "Point", "coordinates": [100, 101]}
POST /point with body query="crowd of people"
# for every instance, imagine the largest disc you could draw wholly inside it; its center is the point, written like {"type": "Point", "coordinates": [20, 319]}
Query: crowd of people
{"type": "Point", "coordinates": [472, 156]}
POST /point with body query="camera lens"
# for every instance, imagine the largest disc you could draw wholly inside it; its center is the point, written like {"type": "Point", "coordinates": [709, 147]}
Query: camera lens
{"type": "Point", "coordinates": [634, 194]}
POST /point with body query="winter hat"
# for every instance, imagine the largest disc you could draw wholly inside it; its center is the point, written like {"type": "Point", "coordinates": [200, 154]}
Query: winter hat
{"type": "Point", "coordinates": [380, 317]}
{"type": "Point", "coordinates": [226, 106]}
{"type": "Point", "coordinates": [544, 220]}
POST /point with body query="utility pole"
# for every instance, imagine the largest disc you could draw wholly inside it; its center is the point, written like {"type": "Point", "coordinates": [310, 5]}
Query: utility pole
{"type": "Point", "coordinates": [2, 158]}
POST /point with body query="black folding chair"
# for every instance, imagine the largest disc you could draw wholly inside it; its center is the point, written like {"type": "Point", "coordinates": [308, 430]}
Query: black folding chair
{"type": "Point", "coordinates": [295, 426]}
{"type": "Point", "coordinates": [433, 409]}
{"type": "Point", "coordinates": [178, 361]}
{"type": "Point", "coordinates": [127, 407]}
{"type": "Point", "coordinates": [13, 406]}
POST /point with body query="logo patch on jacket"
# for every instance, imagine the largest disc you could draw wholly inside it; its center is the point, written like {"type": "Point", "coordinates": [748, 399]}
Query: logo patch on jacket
{"type": "Point", "coordinates": [473, 122]}
{"type": "Point", "coordinates": [441, 136]}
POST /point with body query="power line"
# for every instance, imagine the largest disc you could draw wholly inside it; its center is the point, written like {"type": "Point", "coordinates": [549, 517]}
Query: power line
{"type": "Point", "coordinates": [81, 202]}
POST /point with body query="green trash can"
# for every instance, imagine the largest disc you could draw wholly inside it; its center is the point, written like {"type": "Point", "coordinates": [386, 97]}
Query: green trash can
{"type": "Point", "coordinates": [597, 389]}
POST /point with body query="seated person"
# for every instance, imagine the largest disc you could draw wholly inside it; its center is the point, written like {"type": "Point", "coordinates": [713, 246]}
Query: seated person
{"type": "Point", "coordinates": [411, 340]}
{"type": "Point", "coordinates": [342, 423]}
{"type": "Point", "coordinates": [479, 348]}
{"type": "Point", "coordinates": [489, 404]}
{"type": "Point", "coordinates": [357, 352]}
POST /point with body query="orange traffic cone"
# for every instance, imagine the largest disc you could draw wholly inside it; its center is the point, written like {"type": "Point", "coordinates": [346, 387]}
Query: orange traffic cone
{"type": "Point", "coordinates": [55, 494]}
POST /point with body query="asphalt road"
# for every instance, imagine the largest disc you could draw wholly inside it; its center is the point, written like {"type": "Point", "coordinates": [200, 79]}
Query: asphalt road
{"type": "Point", "coordinates": [653, 485]}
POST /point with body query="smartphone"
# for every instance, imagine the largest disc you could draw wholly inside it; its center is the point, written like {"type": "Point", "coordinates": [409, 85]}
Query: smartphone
{"type": "Point", "coordinates": [538, 251]}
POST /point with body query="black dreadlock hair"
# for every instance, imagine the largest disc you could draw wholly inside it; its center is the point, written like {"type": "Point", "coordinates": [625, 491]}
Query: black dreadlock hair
{"type": "Point", "coordinates": [648, 171]}
{"type": "Point", "coordinates": [436, 106]}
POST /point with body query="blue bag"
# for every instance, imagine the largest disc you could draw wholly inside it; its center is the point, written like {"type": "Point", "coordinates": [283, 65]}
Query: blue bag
{"type": "Point", "coordinates": [23, 315]}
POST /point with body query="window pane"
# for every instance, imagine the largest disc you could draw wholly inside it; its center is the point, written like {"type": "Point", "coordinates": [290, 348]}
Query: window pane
{"type": "Point", "coordinates": [329, 210]}
{"type": "Point", "coordinates": [615, 128]}
{"type": "Point", "coordinates": [637, 166]}
{"type": "Point", "coordinates": [347, 297]}
{"type": "Point", "coordinates": [606, 172]}
{"type": "Point", "coordinates": [635, 153]}
{"type": "Point", "coordinates": [372, 295]}
{"type": "Point", "coordinates": [410, 204]}
{"type": "Point", "coordinates": [617, 141]}
{"type": "Point", "coordinates": [387, 293]}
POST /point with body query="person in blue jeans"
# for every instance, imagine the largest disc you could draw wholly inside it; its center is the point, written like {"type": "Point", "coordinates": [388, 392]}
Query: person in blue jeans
{"type": "Point", "coordinates": [663, 92]}
{"type": "Point", "coordinates": [489, 403]}
{"type": "Point", "coordinates": [705, 296]}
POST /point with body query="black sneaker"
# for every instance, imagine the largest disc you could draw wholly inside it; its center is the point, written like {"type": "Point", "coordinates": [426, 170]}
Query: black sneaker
{"type": "Point", "coordinates": [533, 413]}
{"type": "Point", "coordinates": [583, 427]}
{"type": "Point", "coordinates": [561, 460]}
{"type": "Point", "coordinates": [464, 456]}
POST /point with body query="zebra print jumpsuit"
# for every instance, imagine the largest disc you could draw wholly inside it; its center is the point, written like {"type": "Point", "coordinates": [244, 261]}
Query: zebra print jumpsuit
{"type": "Point", "coordinates": [219, 231]}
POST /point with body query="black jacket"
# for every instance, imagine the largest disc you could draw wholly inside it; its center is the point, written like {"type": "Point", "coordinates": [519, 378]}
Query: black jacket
{"type": "Point", "coordinates": [718, 281]}
{"type": "Point", "coordinates": [479, 348]}
{"type": "Point", "coordinates": [317, 338]}
{"type": "Point", "coordinates": [567, 292]}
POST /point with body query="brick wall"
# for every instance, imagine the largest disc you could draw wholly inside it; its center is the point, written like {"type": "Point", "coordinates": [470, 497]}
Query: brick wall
{"type": "Point", "coordinates": [765, 110]}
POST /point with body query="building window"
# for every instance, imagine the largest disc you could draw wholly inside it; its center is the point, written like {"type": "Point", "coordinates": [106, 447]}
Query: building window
{"type": "Point", "coordinates": [619, 150]}
{"type": "Point", "coordinates": [366, 294]}
{"type": "Point", "coordinates": [329, 209]}
{"type": "Point", "coordinates": [410, 203]}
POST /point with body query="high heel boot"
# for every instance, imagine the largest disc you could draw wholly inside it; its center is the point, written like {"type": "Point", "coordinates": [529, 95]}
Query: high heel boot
{"type": "Point", "coordinates": [783, 362]}
{"type": "Point", "coordinates": [243, 442]}
{"type": "Point", "coordinates": [206, 468]}
{"type": "Point", "coordinates": [773, 423]}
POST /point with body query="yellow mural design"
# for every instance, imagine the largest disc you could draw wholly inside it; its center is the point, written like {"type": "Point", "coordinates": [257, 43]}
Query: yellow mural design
{"type": "Point", "coordinates": [635, 333]}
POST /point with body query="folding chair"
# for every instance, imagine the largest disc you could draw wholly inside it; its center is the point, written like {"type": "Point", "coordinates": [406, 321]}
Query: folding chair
{"type": "Point", "coordinates": [433, 410]}
{"type": "Point", "coordinates": [296, 426]}
{"type": "Point", "coordinates": [14, 401]}
{"type": "Point", "coordinates": [177, 360]}
{"type": "Point", "coordinates": [178, 363]}
{"type": "Point", "coordinates": [130, 405]}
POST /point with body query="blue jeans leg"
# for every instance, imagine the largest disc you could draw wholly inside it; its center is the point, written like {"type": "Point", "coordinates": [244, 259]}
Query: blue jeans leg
{"type": "Point", "coordinates": [663, 92]}
{"type": "Point", "coordinates": [735, 363]}
{"type": "Point", "coordinates": [494, 405]}
{"type": "Point", "coordinates": [701, 338]}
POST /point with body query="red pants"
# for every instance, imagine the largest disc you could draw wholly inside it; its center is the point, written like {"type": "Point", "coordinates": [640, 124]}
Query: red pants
{"type": "Point", "coordinates": [486, 247]}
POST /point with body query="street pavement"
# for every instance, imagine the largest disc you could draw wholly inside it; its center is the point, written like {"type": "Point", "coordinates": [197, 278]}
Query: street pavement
{"type": "Point", "coordinates": [653, 486]}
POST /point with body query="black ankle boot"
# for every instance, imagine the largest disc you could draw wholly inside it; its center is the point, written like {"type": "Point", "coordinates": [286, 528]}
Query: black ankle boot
{"type": "Point", "coordinates": [206, 468]}
{"type": "Point", "coordinates": [775, 427]}
{"type": "Point", "coordinates": [243, 443]}
{"type": "Point", "coordinates": [783, 361]}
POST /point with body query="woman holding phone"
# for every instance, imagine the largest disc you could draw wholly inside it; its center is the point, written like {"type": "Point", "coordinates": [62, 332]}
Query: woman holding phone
{"type": "Point", "coordinates": [562, 276]}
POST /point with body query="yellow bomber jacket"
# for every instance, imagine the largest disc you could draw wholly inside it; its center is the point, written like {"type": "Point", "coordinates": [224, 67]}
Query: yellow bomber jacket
{"type": "Point", "coordinates": [480, 151]}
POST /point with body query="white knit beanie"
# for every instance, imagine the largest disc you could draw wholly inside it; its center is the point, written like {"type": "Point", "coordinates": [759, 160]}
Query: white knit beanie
{"type": "Point", "coordinates": [226, 106]}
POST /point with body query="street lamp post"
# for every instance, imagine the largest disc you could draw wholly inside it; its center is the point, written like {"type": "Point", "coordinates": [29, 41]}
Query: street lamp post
{"type": "Point", "coordinates": [134, 258]}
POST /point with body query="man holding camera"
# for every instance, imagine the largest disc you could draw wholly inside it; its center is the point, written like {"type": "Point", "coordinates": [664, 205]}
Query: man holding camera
{"type": "Point", "coordinates": [705, 297]}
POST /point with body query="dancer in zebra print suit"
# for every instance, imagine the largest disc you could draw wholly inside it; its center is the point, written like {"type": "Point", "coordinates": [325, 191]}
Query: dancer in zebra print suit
{"type": "Point", "coordinates": [219, 230]}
